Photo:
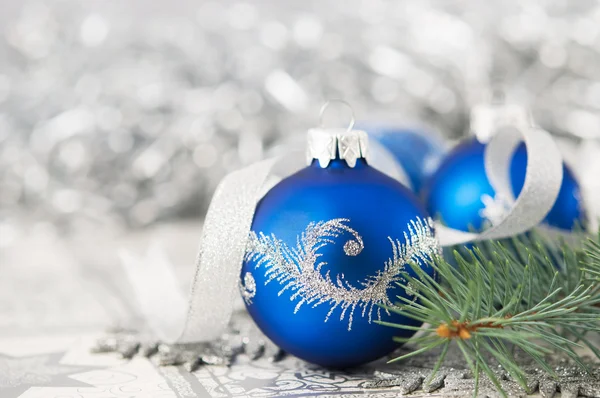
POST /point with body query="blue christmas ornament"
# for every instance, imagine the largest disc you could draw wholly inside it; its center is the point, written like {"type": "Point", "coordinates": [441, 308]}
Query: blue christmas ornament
{"type": "Point", "coordinates": [460, 194]}
{"type": "Point", "coordinates": [416, 151]}
{"type": "Point", "coordinates": [327, 248]}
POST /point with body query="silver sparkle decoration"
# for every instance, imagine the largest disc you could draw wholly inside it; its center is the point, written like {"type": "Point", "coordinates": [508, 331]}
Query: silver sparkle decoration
{"type": "Point", "coordinates": [495, 208]}
{"type": "Point", "coordinates": [296, 268]}
{"type": "Point", "coordinates": [353, 248]}
{"type": "Point", "coordinates": [248, 287]}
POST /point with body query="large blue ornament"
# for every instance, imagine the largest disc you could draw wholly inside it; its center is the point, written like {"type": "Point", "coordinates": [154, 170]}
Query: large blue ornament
{"type": "Point", "coordinates": [459, 192]}
{"type": "Point", "coordinates": [326, 250]}
{"type": "Point", "coordinates": [417, 151]}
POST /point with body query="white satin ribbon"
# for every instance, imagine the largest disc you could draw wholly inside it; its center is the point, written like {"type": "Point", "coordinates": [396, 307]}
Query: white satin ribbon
{"type": "Point", "coordinates": [229, 219]}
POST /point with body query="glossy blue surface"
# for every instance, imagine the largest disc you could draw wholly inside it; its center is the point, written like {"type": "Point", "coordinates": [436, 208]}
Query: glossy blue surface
{"type": "Point", "coordinates": [418, 152]}
{"type": "Point", "coordinates": [378, 207]}
{"type": "Point", "coordinates": [453, 194]}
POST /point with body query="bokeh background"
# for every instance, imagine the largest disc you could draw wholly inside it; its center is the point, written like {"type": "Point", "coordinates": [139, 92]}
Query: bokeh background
{"type": "Point", "coordinates": [118, 119]}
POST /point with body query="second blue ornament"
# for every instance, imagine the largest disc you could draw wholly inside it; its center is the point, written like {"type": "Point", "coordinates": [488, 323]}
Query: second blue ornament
{"type": "Point", "coordinates": [416, 150]}
{"type": "Point", "coordinates": [327, 249]}
{"type": "Point", "coordinates": [460, 195]}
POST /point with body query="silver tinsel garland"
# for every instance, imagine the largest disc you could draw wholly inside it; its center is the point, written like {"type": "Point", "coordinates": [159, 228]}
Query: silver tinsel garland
{"type": "Point", "coordinates": [121, 115]}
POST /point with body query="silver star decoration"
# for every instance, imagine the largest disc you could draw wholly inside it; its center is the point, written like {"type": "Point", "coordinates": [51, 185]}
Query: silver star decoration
{"type": "Point", "coordinates": [18, 374]}
{"type": "Point", "coordinates": [241, 337]}
{"type": "Point", "coordinates": [454, 379]}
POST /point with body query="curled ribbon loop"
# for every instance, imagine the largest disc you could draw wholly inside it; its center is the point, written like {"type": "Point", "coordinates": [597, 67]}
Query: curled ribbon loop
{"type": "Point", "coordinates": [229, 219]}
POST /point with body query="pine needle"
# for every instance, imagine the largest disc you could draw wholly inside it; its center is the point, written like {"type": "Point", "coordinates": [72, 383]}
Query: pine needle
{"type": "Point", "coordinates": [527, 292]}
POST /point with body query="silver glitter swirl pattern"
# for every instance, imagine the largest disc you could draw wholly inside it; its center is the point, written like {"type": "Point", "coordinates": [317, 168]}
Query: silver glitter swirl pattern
{"type": "Point", "coordinates": [298, 270]}
{"type": "Point", "coordinates": [352, 248]}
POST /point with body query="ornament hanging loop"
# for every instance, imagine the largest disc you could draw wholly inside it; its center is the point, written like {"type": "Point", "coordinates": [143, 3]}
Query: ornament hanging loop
{"type": "Point", "coordinates": [328, 103]}
{"type": "Point", "coordinates": [326, 144]}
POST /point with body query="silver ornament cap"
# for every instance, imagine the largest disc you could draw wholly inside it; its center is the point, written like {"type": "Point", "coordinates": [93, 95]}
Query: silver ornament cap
{"type": "Point", "coordinates": [326, 144]}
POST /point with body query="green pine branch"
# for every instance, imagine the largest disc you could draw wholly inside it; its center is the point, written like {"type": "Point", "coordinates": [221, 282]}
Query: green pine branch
{"type": "Point", "coordinates": [525, 293]}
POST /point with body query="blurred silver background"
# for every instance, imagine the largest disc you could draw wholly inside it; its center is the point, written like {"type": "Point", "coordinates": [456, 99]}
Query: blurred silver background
{"type": "Point", "coordinates": [122, 114]}
{"type": "Point", "coordinates": [118, 116]}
